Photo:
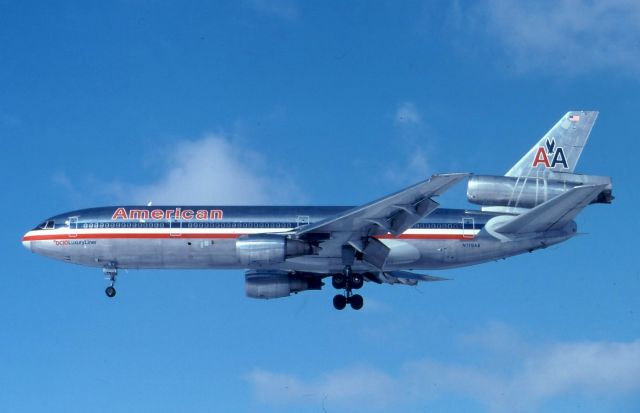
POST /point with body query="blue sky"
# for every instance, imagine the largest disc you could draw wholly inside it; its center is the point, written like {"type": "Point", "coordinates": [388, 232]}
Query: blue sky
{"type": "Point", "coordinates": [281, 101]}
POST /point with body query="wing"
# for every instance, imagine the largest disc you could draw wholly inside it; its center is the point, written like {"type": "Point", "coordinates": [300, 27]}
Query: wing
{"type": "Point", "coordinates": [353, 231]}
{"type": "Point", "coordinates": [394, 213]}
{"type": "Point", "coordinates": [553, 214]}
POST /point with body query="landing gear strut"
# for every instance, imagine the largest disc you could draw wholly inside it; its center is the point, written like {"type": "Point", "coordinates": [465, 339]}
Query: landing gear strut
{"type": "Point", "coordinates": [110, 272]}
{"type": "Point", "coordinates": [349, 282]}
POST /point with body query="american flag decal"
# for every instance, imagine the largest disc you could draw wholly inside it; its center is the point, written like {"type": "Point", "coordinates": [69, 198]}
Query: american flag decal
{"type": "Point", "coordinates": [574, 118]}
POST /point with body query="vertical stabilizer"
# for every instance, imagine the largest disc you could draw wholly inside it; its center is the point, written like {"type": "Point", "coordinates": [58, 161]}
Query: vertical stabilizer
{"type": "Point", "coordinates": [559, 149]}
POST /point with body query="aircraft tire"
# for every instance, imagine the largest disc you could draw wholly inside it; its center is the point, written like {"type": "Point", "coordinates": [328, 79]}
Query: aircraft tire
{"type": "Point", "coordinates": [110, 291]}
{"type": "Point", "coordinates": [356, 301]}
{"type": "Point", "coordinates": [338, 281]}
{"type": "Point", "coordinates": [357, 281]}
{"type": "Point", "coordinates": [339, 302]}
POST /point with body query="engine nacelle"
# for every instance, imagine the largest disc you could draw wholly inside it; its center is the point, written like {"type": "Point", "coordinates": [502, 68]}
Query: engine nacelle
{"type": "Point", "coordinates": [528, 192]}
{"type": "Point", "coordinates": [277, 284]}
{"type": "Point", "coordinates": [268, 249]}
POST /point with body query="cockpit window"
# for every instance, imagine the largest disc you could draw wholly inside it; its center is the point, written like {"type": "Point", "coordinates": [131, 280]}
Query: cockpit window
{"type": "Point", "coordinates": [47, 225]}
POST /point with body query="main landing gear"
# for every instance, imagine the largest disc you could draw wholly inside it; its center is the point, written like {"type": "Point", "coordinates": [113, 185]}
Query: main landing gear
{"type": "Point", "coordinates": [347, 281]}
{"type": "Point", "coordinates": [110, 272]}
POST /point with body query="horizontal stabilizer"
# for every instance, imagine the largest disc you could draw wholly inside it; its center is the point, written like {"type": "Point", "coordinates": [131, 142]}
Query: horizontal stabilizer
{"type": "Point", "coordinates": [554, 214]}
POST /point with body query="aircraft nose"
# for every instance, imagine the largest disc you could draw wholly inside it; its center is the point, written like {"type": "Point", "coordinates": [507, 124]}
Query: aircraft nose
{"type": "Point", "coordinates": [27, 244]}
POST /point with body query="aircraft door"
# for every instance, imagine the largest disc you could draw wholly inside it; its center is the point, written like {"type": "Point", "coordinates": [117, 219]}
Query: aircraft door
{"type": "Point", "coordinates": [175, 226]}
{"type": "Point", "coordinates": [468, 227]}
{"type": "Point", "coordinates": [73, 227]}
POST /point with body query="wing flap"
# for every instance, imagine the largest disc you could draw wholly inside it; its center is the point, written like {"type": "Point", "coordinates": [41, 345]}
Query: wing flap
{"type": "Point", "coordinates": [553, 214]}
{"type": "Point", "coordinates": [375, 252]}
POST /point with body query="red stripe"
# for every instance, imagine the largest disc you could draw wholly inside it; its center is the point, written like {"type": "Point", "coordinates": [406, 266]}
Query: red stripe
{"type": "Point", "coordinates": [211, 235]}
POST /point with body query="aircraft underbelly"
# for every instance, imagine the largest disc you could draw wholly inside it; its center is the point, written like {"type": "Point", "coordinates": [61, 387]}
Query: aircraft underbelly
{"type": "Point", "coordinates": [179, 253]}
{"type": "Point", "coordinates": [144, 253]}
{"type": "Point", "coordinates": [221, 253]}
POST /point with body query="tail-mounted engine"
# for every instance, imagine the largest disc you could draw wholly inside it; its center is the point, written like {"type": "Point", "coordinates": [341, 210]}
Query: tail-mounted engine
{"type": "Point", "coordinates": [267, 249]}
{"type": "Point", "coordinates": [528, 192]}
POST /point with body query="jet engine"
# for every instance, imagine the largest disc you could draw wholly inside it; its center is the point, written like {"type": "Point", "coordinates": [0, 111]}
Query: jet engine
{"type": "Point", "coordinates": [268, 249]}
{"type": "Point", "coordinates": [276, 284]}
{"type": "Point", "coordinates": [529, 192]}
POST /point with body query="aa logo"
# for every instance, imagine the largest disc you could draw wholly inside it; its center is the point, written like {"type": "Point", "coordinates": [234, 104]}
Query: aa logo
{"type": "Point", "coordinates": [549, 155]}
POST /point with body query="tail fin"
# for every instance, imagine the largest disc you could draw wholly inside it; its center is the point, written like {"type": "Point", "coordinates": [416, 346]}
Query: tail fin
{"type": "Point", "coordinates": [559, 149]}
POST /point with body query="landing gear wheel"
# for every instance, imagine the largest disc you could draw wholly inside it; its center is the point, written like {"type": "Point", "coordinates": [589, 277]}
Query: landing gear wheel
{"type": "Point", "coordinates": [348, 281]}
{"type": "Point", "coordinates": [356, 281]}
{"type": "Point", "coordinates": [338, 281]}
{"type": "Point", "coordinates": [340, 302]}
{"type": "Point", "coordinates": [110, 291]}
{"type": "Point", "coordinates": [356, 301]}
{"type": "Point", "coordinates": [110, 271]}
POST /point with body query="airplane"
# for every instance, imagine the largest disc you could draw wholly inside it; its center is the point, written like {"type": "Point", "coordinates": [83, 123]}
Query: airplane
{"type": "Point", "coordinates": [289, 249]}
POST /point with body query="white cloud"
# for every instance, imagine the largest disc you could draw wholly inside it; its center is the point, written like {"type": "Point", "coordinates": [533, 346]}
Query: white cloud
{"type": "Point", "coordinates": [496, 337]}
{"type": "Point", "coordinates": [211, 170]}
{"type": "Point", "coordinates": [410, 140]}
{"type": "Point", "coordinates": [537, 374]}
{"type": "Point", "coordinates": [356, 386]}
{"type": "Point", "coordinates": [593, 367]}
{"type": "Point", "coordinates": [413, 169]}
{"type": "Point", "coordinates": [570, 36]}
{"type": "Point", "coordinates": [407, 114]}
{"type": "Point", "coordinates": [580, 369]}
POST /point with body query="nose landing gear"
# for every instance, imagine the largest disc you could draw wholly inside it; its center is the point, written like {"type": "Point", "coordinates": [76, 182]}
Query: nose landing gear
{"type": "Point", "coordinates": [110, 272]}
{"type": "Point", "coordinates": [349, 282]}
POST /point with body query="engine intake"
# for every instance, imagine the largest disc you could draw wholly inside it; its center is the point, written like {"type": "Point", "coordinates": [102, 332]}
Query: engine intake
{"type": "Point", "coordinates": [276, 284]}
{"type": "Point", "coordinates": [268, 249]}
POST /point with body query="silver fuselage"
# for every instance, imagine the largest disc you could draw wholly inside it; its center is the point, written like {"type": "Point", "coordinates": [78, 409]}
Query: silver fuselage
{"type": "Point", "coordinates": [205, 237]}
